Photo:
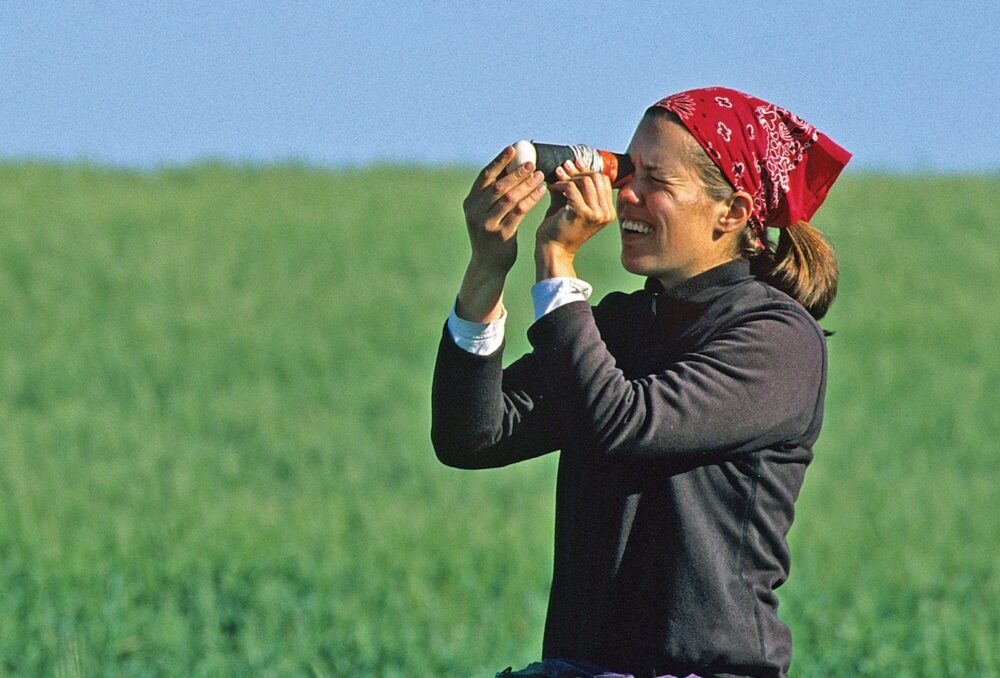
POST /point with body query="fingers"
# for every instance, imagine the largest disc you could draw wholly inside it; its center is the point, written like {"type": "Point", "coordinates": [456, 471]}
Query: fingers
{"type": "Point", "coordinates": [484, 195]}
{"type": "Point", "coordinates": [495, 167]}
{"type": "Point", "coordinates": [499, 209]}
{"type": "Point", "coordinates": [498, 200]}
{"type": "Point", "coordinates": [588, 194]}
{"type": "Point", "coordinates": [511, 207]}
{"type": "Point", "coordinates": [492, 178]}
{"type": "Point", "coordinates": [498, 197]}
{"type": "Point", "coordinates": [606, 198]}
{"type": "Point", "coordinates": [502, 186]}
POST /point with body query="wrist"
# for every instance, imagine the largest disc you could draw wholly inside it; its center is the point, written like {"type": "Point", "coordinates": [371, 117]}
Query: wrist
{"type": "Point", "coordinates": [480, 299]}
{"type": "Point", "coordinates": [552, 260]}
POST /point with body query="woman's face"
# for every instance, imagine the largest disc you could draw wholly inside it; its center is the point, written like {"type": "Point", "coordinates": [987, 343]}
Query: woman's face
{"type": "Point", "coordinates": [668, 221]}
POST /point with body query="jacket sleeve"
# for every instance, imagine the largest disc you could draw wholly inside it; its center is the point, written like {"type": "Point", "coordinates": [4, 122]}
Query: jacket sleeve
{"type": "Point", "coordinates": [752, 385]}
{"type": "Point", "coordinates": [483, 416]}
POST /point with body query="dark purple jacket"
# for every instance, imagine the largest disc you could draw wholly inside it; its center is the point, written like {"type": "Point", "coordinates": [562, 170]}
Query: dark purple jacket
{"type": "Point", "coordinates": [685, 420]}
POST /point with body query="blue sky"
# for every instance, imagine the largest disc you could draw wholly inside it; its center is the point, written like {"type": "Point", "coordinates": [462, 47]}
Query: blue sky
{"type": "Point", "coordinates": [346, 83]}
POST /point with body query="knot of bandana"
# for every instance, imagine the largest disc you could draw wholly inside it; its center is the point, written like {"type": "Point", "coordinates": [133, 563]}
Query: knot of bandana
{"type": "Point", "coordinates": [785, 163]}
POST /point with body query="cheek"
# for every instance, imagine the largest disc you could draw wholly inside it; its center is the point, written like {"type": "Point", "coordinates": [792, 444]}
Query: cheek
{"type": "Point", "coordinates": [658, 207]}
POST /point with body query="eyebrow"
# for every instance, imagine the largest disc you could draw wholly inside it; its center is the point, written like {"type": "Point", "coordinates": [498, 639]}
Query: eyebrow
{"type": "Point", "coordinates": [647, 167]}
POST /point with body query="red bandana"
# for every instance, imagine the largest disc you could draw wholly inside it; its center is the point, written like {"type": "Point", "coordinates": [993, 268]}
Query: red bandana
{"type": "Point", "coordinates": [785, 163]}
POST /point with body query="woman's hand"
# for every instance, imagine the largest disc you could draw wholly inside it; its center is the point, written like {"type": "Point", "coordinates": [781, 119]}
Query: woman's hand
{"type": "Point", "coordinates": [494, 208]}
{"type": "Point", "coordinates": [582, 204]}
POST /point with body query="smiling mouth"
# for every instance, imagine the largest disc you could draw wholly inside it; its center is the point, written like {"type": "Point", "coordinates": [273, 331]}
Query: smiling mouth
{"type": "Point", "coordinates": [635, 227]}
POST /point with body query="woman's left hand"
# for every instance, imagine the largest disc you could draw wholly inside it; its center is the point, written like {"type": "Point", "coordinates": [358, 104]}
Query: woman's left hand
{"type": "Point", "coordinates": [582, 204]}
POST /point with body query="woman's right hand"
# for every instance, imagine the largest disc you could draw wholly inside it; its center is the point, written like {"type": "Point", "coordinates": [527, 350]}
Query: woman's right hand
{"type": "Point", "coordinates": [494, 208]}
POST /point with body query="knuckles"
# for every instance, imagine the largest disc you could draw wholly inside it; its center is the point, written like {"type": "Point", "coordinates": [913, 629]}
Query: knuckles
{"type": "Point", "coordinates": [496, 190]}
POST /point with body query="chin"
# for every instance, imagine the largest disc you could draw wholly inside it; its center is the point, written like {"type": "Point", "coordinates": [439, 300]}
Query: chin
{"type": "Point", "coordinates": [637, 267]}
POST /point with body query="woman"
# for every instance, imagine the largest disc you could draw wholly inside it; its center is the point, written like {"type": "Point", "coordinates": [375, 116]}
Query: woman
{"type": "Point", "coordinates": [685, 412]}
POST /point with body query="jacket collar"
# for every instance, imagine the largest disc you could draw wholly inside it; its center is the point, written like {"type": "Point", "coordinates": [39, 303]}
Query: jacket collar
{"type": "Point", "coordinates": [696, 287]}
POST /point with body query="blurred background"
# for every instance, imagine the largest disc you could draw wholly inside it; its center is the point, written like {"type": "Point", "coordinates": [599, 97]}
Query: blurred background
{"type": "Point", "coordinates": [231, 233]}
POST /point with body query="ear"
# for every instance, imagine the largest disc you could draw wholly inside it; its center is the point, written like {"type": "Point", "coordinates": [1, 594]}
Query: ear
{"type": "Point", "coordinates": [736, 213]}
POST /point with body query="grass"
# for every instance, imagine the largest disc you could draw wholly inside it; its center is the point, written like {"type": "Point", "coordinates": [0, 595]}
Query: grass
{"type": "Point", "coordinates": [214, 457]}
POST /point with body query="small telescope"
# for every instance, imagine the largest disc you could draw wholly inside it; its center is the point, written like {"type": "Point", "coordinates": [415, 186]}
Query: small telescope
{"type": "Point", "coordinates": [547, 157]}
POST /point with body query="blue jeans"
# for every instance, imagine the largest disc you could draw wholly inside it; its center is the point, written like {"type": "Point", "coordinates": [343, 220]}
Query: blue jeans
{"type": "Point", "coordinates": [561, 668]}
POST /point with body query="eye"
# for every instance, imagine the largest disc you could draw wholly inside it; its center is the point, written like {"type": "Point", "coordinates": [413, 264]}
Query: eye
{"type": "Point", "coordinates": [652, 174]}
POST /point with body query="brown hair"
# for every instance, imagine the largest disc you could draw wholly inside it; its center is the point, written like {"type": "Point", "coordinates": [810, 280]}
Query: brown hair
{"type": "Point", "coordinates": [802, 264]}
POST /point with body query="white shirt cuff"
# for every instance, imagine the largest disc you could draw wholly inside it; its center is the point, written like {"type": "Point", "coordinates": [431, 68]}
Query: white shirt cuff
{"type": "Point", "coordinates": [477, 338]}
{"type": "Point", "coordinates": [551, 293]}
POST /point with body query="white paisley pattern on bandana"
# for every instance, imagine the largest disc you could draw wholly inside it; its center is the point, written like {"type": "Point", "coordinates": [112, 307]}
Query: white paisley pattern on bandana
{"type": "Point", "coordinates": [682, 104]}
{"type": "Point", "coordinates": [788, 137]}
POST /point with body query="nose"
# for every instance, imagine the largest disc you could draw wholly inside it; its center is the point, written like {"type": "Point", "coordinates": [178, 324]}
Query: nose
{"type": "Point", "coordinates": [626, 192]}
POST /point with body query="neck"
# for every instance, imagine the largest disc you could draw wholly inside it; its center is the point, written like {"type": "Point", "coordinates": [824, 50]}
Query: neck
{"type": "Point", "coordinates": [670, 279]}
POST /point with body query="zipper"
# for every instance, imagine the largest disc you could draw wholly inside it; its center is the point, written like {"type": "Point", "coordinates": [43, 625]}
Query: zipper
{"type": "Point", "coordinates": [652, 303]}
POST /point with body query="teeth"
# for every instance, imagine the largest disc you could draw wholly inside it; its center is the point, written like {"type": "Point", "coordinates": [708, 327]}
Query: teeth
{"type": "Point", "coordinates": [636, 227]}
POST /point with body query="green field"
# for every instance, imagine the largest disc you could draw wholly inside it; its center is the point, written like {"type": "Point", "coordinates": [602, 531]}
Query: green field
{"type": "Point", "coordinates": [215, 460]}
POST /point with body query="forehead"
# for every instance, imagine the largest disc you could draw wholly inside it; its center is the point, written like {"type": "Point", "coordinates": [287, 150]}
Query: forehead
{"type": "Point", "coordinates": [662, 143]}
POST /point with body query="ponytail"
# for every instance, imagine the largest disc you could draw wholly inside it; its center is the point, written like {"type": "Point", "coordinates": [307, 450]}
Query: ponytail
{"type": "Point", "coordinates": [802, 265]}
